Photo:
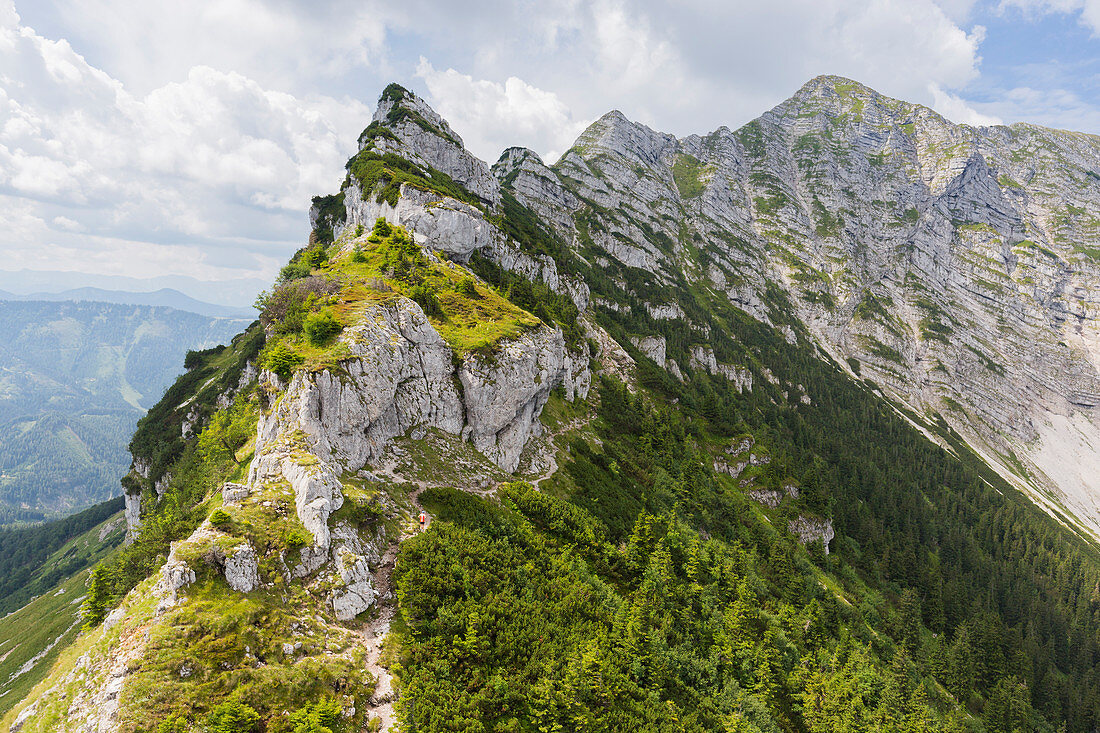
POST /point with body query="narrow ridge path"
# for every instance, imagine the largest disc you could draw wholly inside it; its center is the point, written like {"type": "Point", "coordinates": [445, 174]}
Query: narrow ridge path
{"type": "Point", "coordinates": [374, 635]}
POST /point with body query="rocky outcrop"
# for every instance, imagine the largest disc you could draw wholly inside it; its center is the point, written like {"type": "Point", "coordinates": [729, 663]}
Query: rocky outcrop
{"type": "Point", "coordinates": [234, 493]}
{"type": "Point", "coordinates": [132, 512]}
{"type": "Point", "coordinates": [811, 529]}
{"type": "Point", "coordinates": [403, 375]}
{"type": "Point", "coordinates": [426, 139]}
{"type": "Point", "coordinates": [504, 393]}
{"type": "Point", "coordinates": [176, 575]}
{"type": "Point", "coordinates": [315, 483]}
{"type": "Point", "coordinates": [242, 571]}
{"type": "Point", "coordinates": [652, 346]}
{"type": "Point", "coordinates": [439, 222]}
{"type": "Point", "coordinates": [773, 497]}
{"type": "Point", "coordinates": [357, 593]}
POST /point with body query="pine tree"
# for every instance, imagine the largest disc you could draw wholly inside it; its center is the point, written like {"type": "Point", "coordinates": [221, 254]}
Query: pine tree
{"type": "Point", "coordinates": [99, 595]}
{"type": "Point", "coordinates": [743, 621]}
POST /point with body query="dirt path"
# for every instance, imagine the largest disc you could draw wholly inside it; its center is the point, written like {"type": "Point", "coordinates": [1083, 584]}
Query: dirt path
{"type": "Point", "coordinates": [553, 453]}
{"type": "Point", "coordinates": [374, 635]}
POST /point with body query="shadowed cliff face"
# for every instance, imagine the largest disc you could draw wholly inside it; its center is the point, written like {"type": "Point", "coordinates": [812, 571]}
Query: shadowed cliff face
{"type": "Point", "coordinates": [955, 267]}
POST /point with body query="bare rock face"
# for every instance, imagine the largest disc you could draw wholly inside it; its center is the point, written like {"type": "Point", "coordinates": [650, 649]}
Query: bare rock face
{"type": "Point", "coordinates": [425, 138]}
{"type": "Point", "coordinates": [537, 186]}
{"type": "Point", "coordinates": [505, 393]}
{"type": "Point", "coordinates": [132, 513]}
{"type": "Point", "coordinates": [653, 347]}
{"type": "Point", "coordinates": [442, 223]}
{"type": "Point", "coordinates": [956, 266]}
{"type": "Point", "coordinates": [404, 375]}
{"type": "Point", "coordinates": [176, 575]}
{"type": "Point", "coordinates": [242, 571]}
{"type": "Point", "coordinates": [358, 592]}
{"type": "Point", "coordinates": [234, 493]}
{"type": "Point", "coordinates": [810, 529]}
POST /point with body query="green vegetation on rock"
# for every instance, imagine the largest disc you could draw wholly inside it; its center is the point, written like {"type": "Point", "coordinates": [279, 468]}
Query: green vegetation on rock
{"type": "Point", "coordinates": [687, 172]}
{"type": "Point", "coordinates": [383, 175]}
{"type": "Point", "coordinates": [308, 311]}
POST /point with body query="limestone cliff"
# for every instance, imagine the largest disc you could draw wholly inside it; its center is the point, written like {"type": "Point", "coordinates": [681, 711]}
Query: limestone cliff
{"type": "Point", "coordinates": [956, 267]}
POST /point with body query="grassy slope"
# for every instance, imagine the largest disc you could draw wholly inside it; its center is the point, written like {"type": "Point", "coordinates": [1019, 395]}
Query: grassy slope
{"type": "Point", "coordinates": [50, 622]}
{"type": "Point", "coordinates": [470, 316]}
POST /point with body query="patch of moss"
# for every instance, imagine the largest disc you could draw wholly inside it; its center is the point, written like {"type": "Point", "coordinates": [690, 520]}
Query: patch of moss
{"type": "Point", "coordinates": [470, 316]}
{"type": "Point", "coordinates": [881, 350]}
{"type": "Point", "coordinates": [687, 174]}
{"type": "Point", "coordinates": [223, 644]}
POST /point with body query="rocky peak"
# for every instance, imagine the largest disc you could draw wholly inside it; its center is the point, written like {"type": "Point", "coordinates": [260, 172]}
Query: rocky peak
{"type": "Point", "coordinates": [406, 125]}
{"type": "Point", "coordinates": [513, 158]}
{"type": "Point", "coordinates": [832, 97]}
{"type": "Point", "coordinates": [397, 103]}
{"type": "Point", "coordinates": [614, 134]}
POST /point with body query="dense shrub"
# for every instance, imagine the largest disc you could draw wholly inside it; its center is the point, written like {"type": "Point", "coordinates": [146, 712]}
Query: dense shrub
{"type": "Point", "coordinates": [285, 308]}
{"type": "Point", "coordinates": [281, 359]}
{"type": "Point", "coordinates": [233, 716]}
{"type": "Point", "coordinates": [321, 326]}
{"type": "Point", "coordinates": [427, 300]}
{"type": "Point", "coordinates": [294, 271]}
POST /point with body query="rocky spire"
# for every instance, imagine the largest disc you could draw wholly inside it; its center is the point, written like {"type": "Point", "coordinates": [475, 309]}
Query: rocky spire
{"type": "Point", "coordinates": [406, 125]}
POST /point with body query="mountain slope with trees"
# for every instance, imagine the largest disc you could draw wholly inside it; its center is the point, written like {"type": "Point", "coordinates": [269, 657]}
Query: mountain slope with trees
{"type": "Point", "coordinates": [74, 379]}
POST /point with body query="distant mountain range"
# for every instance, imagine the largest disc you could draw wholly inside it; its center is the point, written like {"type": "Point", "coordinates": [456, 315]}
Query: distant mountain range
{"type": "Point", "coordinates": [235, 293]}
{"type": "Point", "coordinates": [75, 376]}
{"type": "Point", "coordinates": [168, 297]}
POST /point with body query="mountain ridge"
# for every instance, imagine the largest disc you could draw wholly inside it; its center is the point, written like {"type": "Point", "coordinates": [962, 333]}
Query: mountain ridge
{"type": "Point", "coordinates": [636, 402]}
{"type": "Point", "coordinates": [780, 200]}
{"type": "Point", "coordinates": [163, 297]}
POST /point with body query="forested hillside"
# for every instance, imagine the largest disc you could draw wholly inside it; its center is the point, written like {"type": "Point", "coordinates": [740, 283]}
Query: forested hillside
{"type": "Point", "coordinates": [74, 379]}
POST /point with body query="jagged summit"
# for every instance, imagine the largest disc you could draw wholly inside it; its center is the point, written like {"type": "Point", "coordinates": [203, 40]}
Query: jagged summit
{"type": "Point", "coordinates": [406, 126]}
{"type": "Point", "coordinates": [615, 133]}
{"type": "Point", "coordinates": [397, 104]}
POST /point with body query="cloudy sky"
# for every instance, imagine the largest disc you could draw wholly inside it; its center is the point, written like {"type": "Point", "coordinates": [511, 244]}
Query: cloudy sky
{"type": "Point", "coordinates": [147, 143]}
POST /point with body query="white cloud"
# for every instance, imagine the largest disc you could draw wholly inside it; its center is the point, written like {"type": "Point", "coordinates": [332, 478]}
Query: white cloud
{"type": "Point", "coordinates": [64, 222]}
{"type": "Point", "coordinates": [283, 45]}
{"type": "Point", "coordinates": [694, 65]}
{"type": "Point", "coordinates": [958, 10]}
{"type": "Point", "coordinates": [209, 176]}
{"type": "Point", "coordinates": [492, 116]}
{"type": "Point", "coordinates": [958, 110]}
{"type": "Point", "coordinates": [1051, 107]}
{"type": "Point", "coordinates": [628, 50]}
{"type": "Point", "coordinates": [1089, 10]}
{"type": "Point", "coordinates": [191, 135]}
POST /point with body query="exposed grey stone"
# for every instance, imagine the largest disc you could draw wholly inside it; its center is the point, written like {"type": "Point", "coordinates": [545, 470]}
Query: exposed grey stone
{"type": "Point", "coordinates": [358, 592]}
{"type": "Point", "coordinates": [651, 346]}
{"type": "Point", "coordinates": [234, 493]}
{"type": "Point", "coordinates": [809, 529]}
{"type": "Point", "coordinates": [242, 571]}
